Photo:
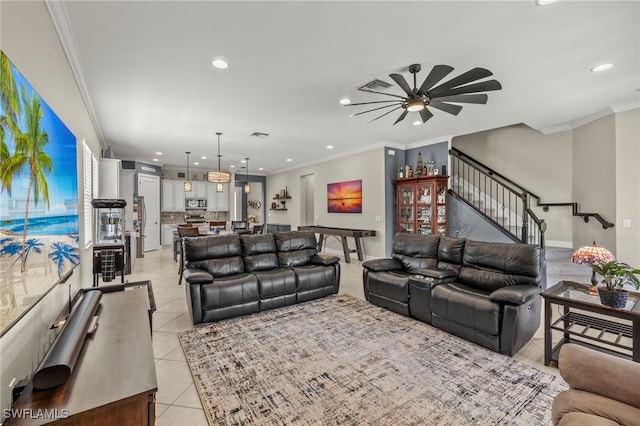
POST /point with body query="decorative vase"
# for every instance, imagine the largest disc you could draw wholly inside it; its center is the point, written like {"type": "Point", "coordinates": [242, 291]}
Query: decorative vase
{"type": "Point", "coordinates": [614, 299]}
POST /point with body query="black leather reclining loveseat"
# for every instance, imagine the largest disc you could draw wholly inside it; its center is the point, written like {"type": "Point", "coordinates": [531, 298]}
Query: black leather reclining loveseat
{"type": "Point", "coordinates": [487, 293]}
{"type": "Point", "coordinates": [232, 275]}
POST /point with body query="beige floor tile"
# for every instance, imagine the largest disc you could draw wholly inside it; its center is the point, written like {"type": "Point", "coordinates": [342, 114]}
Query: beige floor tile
{"type": "Point", "coordinates": [176, 355]}
{"type": "Point", "coordinates": [175, 416]}
{"type": "Point", "coordinates": [174, 377]}
{"type": "Point", "coordinates": [189, 398]}
{"type": "Point", "coordinates": [161, 408]}
{"type": "Point", "coordinates": [163, 343]}
{"type": "Point", "coordinates": [161, 319]}
{"type": "Point", "coordinates": [181, 323]}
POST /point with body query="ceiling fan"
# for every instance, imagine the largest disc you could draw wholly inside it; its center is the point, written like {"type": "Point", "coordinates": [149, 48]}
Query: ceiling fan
{"type": "Point", "coordinates": [443, 97]}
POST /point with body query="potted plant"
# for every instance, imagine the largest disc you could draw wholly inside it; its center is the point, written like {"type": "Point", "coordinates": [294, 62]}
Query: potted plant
{"type": "Point", "coordinates": [614, 276]}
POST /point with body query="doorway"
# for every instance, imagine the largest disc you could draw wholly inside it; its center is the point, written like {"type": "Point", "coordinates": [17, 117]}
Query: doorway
{"type": "Point", "coordinates": [149, 188]}
{"type": "Point", "coordinates": [307, 209]}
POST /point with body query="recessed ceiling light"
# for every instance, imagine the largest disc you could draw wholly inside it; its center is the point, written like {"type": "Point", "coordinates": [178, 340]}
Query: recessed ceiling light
{"type": "Point", "coordinates": [155, 159]}
{"type": "Point", "coordinates": [203, 158]}
{"type": "Point", "coordinates": [545, 2]}
{"type": "Point", "coordinates": [345, 101]}
{"type": "Point", "coordinates": [220, 64]}
{"type": "Point", "coordinates": [260, 168]}
{"type": "Point", "coordinates": [289, 160]}
{"type": "Point", "coordinates": [195, 163]}
{"type": "Point", "coordinates": [351, 115]}
{"type": "Point", "coordinates": [417, 122]}
{"type": "Point", "coordinates": [601, 67]}
{"type": "Point", "coordinates": [158, 153]}
{"type": "Point", "coordinates": [232, 166]}
{"type": "Point", "coordinates": [243, 161]}
{"type": "Point", "coordinates": [329, 146]}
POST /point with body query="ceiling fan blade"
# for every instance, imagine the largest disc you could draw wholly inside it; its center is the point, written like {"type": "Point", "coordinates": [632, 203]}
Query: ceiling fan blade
{"type": "Point", "coordinates": [400, 81]}
{"type": "Point", "coordinates": [479, 98]}
{"type": "Point", "coordinates": [437, 73]}
{"type": "Point", "coordinates": [425, 114]}
{"type": "Point", "coordinates": [450, 108]}
{"type": "Point", "coordinates": [375, 109]}
{"type": "Point", "coordinates": [464, 78]}
{"type": "Point", "coordinates": [386, 113]}
{"type": "Point", "coordinates": [483, 86]}
{"type": "Point", "coordinates": [382, 93]}
{"type": "Point", "coordinates": [402, 116]}
{"type": "Point", "coordinates": [373, 102]}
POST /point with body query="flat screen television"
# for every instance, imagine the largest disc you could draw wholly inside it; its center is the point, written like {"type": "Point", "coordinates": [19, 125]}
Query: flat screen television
{"type": "Point", "coordinates": [39, 240]}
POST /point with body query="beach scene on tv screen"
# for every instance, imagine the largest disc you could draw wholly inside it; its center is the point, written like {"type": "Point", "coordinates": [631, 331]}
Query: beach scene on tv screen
{"type": "Point", "coordinates": [39, 240]}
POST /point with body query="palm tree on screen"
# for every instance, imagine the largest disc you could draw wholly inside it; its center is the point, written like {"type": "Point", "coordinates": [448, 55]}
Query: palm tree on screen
{"type": "Point", "coordinates": [62, 253]}
{"type": "Point", "coordinates": [9, 113]}
{"type": "Point", "coordinates": [29, 153]}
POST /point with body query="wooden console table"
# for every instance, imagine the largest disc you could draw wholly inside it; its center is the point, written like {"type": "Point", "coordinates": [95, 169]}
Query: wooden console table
{"type": "Point", "coordinates": [343, 233]}
{"type": "Point", "coordinates": [114, 379]}
{"type": "Point", "coordinates": [615, 331]}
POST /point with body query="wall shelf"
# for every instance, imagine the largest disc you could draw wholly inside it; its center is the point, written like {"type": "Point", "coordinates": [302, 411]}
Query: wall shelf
{"type": "Point", "coordinates": [281, 198]}
{"type": "Point", "coordinates": [278, 209]}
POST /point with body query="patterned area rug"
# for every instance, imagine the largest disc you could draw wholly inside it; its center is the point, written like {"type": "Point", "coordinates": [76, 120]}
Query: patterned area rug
{"type": "Point", "coordinates": [342, 361]}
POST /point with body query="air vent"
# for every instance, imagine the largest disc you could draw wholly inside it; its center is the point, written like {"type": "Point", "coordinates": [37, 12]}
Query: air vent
{"type": "Point", "coordinates": [259, 135]}
{"type": "Point", "coordinates": [375, 85]}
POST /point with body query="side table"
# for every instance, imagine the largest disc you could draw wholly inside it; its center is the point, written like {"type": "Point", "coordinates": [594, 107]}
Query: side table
{"type": "Point", "coordinates": [609, 330]}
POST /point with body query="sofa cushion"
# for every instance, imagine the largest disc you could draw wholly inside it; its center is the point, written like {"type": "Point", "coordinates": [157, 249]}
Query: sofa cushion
{"type": "Point", "coordinates": [218, 255]}
{"type": "Point", "coordinates": [415, 251]}
{"type": "Point", "coordinates": [314, 276]}
{"type": "Point", "coordinates": [259, 252]}
{"type": "Point", "coordinates": [234, 290]}
{"type": "Point", "coordinates": [295, 248]}
{"type": "Point", "coordinates": [392, 285]}
{"type": "Point", "coordinates": [466, 306]}
{"type": "Point", "coordinates": [489, 266]}
{"type": "Point", "coordinates": [450, 251]}
{"type": "Point", "coordinates": [276, 282]}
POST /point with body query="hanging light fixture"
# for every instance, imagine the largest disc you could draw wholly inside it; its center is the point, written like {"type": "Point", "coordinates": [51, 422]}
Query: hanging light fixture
{"type": "Point", "coordinates": [187, 184]}
{"type": "Point", "coordinates": [247, 187]}
{"type": "Point", "coordinates": [219, 177]}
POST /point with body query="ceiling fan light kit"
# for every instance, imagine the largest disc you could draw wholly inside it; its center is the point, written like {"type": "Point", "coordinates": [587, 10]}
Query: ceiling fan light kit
{"type": "Point", "coordinates": [445, 96]}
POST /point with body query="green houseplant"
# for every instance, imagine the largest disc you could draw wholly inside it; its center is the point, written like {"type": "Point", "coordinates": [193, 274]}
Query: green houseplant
{"type": "Point", "coordinates": [614, 276]}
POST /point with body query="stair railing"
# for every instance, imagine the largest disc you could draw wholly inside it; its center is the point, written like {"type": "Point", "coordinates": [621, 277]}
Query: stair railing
{"type": "Point", "coordinates": [517, 218]}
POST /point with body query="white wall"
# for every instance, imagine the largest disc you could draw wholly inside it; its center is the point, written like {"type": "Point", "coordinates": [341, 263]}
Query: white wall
{"type": "Point", "coordinates": [29, 39]}
{"type": "Point", "coordinates": [627, 130]}
{"type": "Point", "coordinates": [368, 166]}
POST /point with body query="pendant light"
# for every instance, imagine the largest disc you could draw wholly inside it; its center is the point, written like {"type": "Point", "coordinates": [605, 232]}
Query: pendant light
{"type": "Point", "coordinates": [219, 177]}
{"type": "Point", "coordinates": [247, 187]}
{"type": "Point", "coordinates": [187, 184]}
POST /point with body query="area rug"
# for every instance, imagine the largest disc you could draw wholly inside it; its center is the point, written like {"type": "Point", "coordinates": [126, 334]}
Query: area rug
{"type": "Point", "coordinates": [342, 361]}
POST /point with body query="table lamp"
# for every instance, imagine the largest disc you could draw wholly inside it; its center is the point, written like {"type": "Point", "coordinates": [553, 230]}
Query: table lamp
{"type": "Point", "coordinates": [592, 254]}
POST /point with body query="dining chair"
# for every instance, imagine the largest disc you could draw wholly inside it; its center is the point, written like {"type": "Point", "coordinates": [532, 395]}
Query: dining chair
{"type": "Point", "coordinates": [257, 229]}
{"type": "Point", "coordinates": [239, 225]}
{"type": "Point", "coordinates": [185, 231]}
{"type": "Point", "coordinates": [221, 224]}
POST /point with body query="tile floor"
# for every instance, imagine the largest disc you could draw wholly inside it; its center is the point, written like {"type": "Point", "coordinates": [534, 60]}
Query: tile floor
{"type": "Point", "coordinates": [177, 399]}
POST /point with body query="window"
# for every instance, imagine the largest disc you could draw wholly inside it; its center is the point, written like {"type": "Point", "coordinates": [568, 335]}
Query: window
{"type": "Point", "coordinates": [90, 190]}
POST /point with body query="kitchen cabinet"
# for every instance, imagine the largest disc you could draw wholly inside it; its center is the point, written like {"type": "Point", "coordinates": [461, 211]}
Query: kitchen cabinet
{"type": "Point", "coordinates": [217, 201]}
{"type": "Point", "coordinates": [109, 178]}
{"type": "Point", "coordinates": [422, 206]}
{"type": "Point", "coordinates": [198, 190]}
{"type": "Point", "coordinates": [172, 195]}
{"type": "Point", "coordinates": [167, 234]}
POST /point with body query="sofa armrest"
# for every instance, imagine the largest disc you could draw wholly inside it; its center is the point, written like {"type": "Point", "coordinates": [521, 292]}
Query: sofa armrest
{"type": "Point", "coordinates": [603, 374]}
{"type": "Point", "coordinates": [378, 265]}
{"type": "Point", "coordinates": [436, 274]}
{"type": "Point", "coordinates": [324, 259]}
{"type": "Point", "coordinates": [516, 294]}
{"type": "Point", "coordinates": [197, 276]}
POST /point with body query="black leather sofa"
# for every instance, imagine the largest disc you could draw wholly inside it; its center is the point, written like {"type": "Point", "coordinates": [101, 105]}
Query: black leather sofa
{"type": "Point", "coordinates": [487, 293]}
{"type": "Point", "coordinates": [232, 275]}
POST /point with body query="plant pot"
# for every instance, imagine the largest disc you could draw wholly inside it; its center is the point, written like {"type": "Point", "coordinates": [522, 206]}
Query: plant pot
{"type": "Point", "coordinates": [614, 299]}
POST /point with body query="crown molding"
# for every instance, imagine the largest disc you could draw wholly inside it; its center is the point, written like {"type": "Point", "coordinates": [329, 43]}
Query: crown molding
{"type": "Point", "coordinates": [65, 34]}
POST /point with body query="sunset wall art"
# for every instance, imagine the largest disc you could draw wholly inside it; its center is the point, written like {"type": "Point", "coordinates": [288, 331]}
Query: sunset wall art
{"type": "Point", "coordinates": [344, 197]}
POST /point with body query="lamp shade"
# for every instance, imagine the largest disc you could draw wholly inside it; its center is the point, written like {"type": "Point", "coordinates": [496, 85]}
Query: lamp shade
{"type": "Point", "coordinates": [592, 254]}
{"type": "Point", "coordinates": [218, 177]}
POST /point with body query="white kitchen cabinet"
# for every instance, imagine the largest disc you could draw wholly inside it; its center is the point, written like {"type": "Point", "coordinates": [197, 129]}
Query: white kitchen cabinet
{"type": "Point", "coordinates": [172, 195]}
{"type": "Point", "coordinates": [217, 201]}
{"type": "Point", "coordinates": [198, 190]}
{"type": "Point", "coordinates": [167, 234]}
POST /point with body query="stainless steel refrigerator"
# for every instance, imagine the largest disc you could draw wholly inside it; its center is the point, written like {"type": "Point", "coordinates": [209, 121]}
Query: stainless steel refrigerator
{"type": "Point", "coordinates": [139, 218]}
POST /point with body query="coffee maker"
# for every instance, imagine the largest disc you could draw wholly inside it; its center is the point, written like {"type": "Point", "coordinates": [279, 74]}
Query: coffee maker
{"type": "Point", "coordinates": [108, 221]}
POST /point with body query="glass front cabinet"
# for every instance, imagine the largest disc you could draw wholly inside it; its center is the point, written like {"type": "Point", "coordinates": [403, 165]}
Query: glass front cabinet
{"type": "Point", "coordinates": [422, 205]}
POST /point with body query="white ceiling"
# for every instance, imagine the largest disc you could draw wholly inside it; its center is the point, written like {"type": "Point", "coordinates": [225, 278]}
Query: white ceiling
{"type": "Point", "coordinates": [145, 70]}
